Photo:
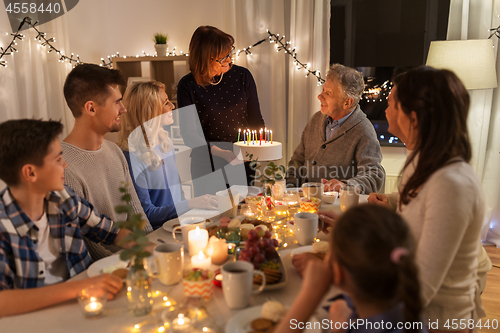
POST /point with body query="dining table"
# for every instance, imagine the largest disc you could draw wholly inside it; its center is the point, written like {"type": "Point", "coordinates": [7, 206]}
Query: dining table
{"type": "Point", "coordinates": [214, 313]}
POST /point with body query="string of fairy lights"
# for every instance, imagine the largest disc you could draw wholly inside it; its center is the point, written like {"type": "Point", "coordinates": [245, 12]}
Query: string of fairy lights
{"type": "Point", "coordinates": [372, 94]}
{"type": "Point", "coordinates": [46, 42]}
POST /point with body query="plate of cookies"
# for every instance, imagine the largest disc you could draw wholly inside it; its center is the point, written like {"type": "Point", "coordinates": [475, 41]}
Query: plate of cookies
{"type": "Point", "coordinates": [261, 319]}
{"type": "Point", "coordinates": [112, 265]}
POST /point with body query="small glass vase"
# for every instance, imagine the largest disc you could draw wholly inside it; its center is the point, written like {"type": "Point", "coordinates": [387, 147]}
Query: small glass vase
{"type": "Point", "coordinates": [267, 203]}
{"type": "Point", "coordinates": [139, 295]}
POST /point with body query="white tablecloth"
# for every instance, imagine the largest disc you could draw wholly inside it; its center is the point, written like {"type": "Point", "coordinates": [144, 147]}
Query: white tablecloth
{"type": "Point", "coordinates": [67, 317]}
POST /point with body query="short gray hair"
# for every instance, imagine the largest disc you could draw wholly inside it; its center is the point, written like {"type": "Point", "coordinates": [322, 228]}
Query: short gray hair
{"type": "Point", "coordinates": [350, 80]}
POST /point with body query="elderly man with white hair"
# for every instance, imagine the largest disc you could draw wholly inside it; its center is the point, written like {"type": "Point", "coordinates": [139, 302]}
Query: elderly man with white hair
{"type": "Point", "coordinates": [339, 145]}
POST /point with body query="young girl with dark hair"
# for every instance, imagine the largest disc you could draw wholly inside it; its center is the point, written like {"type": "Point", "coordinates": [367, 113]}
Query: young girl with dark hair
{"type": "Point", "coordinates": [439, 194]}
{"type": "Point", "coordinates": [372, 260]}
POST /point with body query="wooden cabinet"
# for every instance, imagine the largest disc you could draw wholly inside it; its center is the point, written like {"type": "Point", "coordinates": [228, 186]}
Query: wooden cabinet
{"type": "Point", "coordinates": [160, 68]}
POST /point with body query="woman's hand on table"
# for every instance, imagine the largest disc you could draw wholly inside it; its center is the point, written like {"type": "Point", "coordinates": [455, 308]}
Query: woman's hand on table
{"type": "Point", "coordinates": [206, 201]}
{"type": "Point", "coordinates": [332, 184]}
{"type": "Point", "coordinates": [379, 199]}
{"type": "Point", "coordinates": [328, 219]}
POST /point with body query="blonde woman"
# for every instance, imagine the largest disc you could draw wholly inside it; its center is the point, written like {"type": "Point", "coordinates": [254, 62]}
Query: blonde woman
{"type": "Point", "coordinates": [150, 155]}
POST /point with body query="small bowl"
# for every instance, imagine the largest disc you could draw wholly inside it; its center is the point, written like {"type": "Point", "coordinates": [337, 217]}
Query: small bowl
{"type": "Point", "coordinates": [254, 200]}
{"type": "Point", "coordinates": [310, 205]}
{"type": "Point", "coordinates": [203, 289]}
{"type": "Point", "coordinates": [329, 197]}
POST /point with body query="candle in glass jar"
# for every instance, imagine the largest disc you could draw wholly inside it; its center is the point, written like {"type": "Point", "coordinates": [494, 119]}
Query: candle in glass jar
{"type": "Point", "coordinates": [197, 240]}
{"type": "Point", "coordinates": [217, 250]}
{"type": "Point", "coordinates": [93, 308]}
{"type": "Point", "coordinates": [201, 261]}
{"type": "Point", "coordinates": [181, 323]}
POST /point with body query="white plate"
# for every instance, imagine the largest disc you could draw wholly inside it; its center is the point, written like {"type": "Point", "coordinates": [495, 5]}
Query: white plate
{"type": "Point", "coordinates": [302, 249]}
{"type": "Point", "coordinates": [240, 322]}
{"type": "Point", "coordinates": [97, 267]}
{"type": "Point", "coordinates": [284, 277]}
{"type": "Point", "coordinates": [169, 226]}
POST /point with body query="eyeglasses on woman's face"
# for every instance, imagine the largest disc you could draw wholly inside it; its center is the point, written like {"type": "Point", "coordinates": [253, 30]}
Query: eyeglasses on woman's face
{"type": "Point", "coordinates": [224, 59]}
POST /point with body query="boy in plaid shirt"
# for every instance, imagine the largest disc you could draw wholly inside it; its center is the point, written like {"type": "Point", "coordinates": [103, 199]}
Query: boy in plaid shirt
{"type": "Point", "coordinates": [42, 222]}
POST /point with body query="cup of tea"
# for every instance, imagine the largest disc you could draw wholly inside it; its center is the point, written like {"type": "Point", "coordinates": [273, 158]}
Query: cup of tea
{"type": "Point", "coordinates": [306, 227]}
{"type": "Point", "coordinates": [348, 197]}
{"type": "Point", "coordinates": [169, 259]}
{"type": "Point", "coordinates": [237, 282]}
{"type": "Point", "coordinates": [313, 190]}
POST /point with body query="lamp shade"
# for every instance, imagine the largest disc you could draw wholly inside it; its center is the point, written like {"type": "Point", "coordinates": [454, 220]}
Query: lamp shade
{"type": "Point", "coordinates": [472, 61]}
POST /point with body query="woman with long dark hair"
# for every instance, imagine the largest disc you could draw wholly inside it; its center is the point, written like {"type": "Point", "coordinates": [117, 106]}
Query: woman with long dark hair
{"type": "Point", "coordinates": [439, 193]}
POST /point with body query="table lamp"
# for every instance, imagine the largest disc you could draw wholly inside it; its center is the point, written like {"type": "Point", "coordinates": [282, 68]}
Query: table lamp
{"type": "Point", "coordinates": [472, 60]}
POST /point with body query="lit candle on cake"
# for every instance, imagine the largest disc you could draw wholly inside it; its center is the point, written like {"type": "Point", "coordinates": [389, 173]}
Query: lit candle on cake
{"type": "Point", "coordinates": [201, 261]}
{"type": "Point", "coordinates": [271, 136]}
{"type": "Point", "coordinates": [197, 240]}
{"type": "Point", "coordinates": [260, 141]}
{"type": "Point", "coordinates": [239, 132]}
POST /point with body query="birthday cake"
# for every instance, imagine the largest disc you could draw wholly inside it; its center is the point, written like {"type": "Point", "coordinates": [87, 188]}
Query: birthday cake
{"type": "Point", "coordinates": [258, 144]}
{"type": "Point", "coordinates": [264, 151]}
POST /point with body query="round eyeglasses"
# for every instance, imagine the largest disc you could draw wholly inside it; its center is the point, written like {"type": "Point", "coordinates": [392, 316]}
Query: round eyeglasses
{"type": "Point", "coordinates": [229, 56]}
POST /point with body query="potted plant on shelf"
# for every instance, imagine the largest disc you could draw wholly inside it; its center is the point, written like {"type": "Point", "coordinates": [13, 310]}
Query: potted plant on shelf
{"type": "Point", "coordinates": [160, 40]}
{"type": "Point", "coordinates": [139, 292]}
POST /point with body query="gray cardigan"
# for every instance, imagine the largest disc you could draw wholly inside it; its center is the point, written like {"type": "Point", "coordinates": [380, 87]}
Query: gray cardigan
{"type": "Point", "coordinates": [351, 155]}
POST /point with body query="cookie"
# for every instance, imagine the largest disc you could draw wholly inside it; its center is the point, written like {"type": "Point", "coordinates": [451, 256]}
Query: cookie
{"type": "Point", "coordinates": [120, 272]}
{"type": "Point", "coordinates": [261, 324]}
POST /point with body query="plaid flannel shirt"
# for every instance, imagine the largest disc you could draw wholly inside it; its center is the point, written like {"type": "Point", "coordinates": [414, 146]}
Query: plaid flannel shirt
{"type": "Point", "coordinates": [69, 217]}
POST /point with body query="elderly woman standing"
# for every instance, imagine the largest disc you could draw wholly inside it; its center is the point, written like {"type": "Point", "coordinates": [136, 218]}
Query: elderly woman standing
{"type": "Point", "coordinates": [225, 97]}
{"type": "Point", "coordinates": [150, 154]}
{"type": "Point", "coordinates": [439, 194]}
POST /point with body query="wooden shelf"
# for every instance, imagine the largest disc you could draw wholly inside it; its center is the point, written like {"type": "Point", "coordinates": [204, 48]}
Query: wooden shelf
{"type": "Point", "coordinates": [160, 68]}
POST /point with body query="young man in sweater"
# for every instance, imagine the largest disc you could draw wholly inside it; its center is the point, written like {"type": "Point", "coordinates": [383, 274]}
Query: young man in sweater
{"type": "Point", "coordinates": [97, 167]}
{"type": "Point", "coordinates": [42, 222]}
{"type": "Point", "coordinates": [339, 145]}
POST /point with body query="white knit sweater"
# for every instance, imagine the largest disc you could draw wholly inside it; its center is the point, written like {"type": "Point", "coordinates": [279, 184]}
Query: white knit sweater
{"type": "Point", "coordinates": [96, 176]}
{"type": "Point", "coordinates": [446, 219]}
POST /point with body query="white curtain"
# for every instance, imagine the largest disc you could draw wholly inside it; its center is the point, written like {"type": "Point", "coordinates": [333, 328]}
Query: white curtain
{"type": "Point", "coordinates": [287, 98]}
{"type": "Point", "coordinates": [31, 86]}
{"type": "Point", "coordinates": [472, 19]}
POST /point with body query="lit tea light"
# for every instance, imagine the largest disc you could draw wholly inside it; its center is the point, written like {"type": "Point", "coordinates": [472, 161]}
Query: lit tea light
{"type": "Point", "coordinates": [93, 308]}
{"type": "Point", "coordinates": [201, 261]}
{"type": "Point", "coordinates": [281, 208]}
{"type": "Point", "coordinates": [92, 301]}
{"type": "Point", "coordinates": [181, 323]}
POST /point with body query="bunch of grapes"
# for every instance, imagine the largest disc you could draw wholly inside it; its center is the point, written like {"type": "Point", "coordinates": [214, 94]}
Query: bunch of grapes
{"type": "Point", "coordinates": [259, 247]}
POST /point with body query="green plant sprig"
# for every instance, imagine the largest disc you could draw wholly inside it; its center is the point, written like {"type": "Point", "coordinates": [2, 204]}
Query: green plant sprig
{"type": "Point", "coordinates": [134, 223]}
{"type": "Point", "coordinates": [160, 38]}
{"type": "Point", "coordinates": [271, 172]}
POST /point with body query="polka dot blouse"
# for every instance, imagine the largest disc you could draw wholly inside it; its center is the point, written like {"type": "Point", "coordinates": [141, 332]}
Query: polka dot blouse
{"type": "Point", "coordinates": [222, 108]}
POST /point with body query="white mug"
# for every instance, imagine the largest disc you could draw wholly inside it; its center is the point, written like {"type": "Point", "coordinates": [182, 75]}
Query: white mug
{"type": "Point", "coordinates": [237, 281]}
{"type": "Point", "coordinates": [169, 259]}
{"type": "Point", "coordinates": [306, 227]}
{"type": "Point", "coordinates": [348, 197]}
{"type": "Point", "coordinates": [227, 206]}
{"type": "Point", "coordinates": [187, 224]}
